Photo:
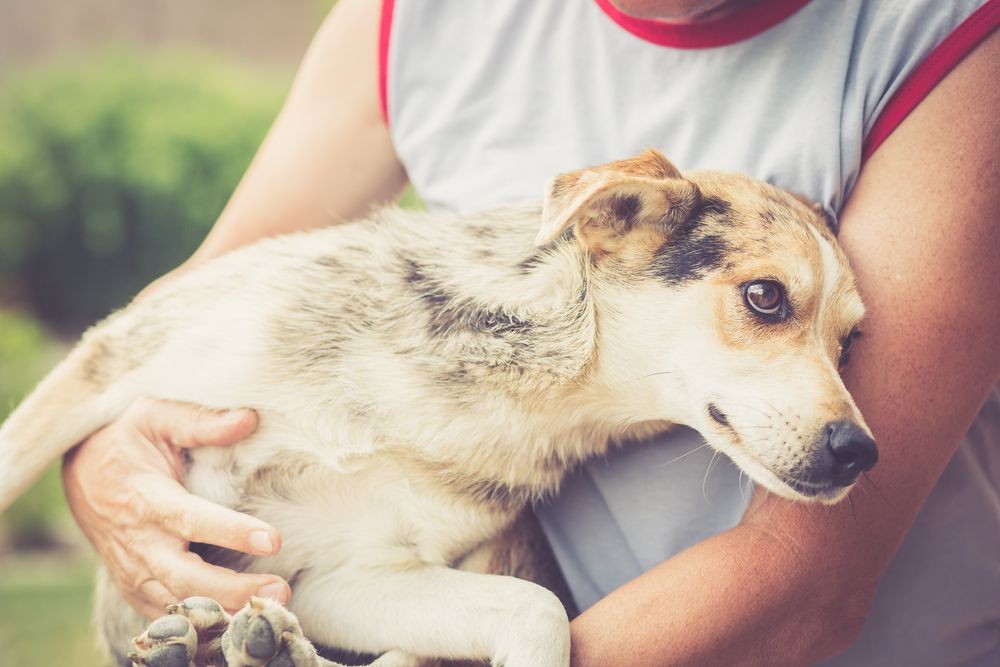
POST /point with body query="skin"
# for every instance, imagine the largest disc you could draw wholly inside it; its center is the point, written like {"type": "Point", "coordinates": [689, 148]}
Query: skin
{"type": "Point", "coordinates": [682, 11]}
{"type": "Point", "coordinates": [792, 583]}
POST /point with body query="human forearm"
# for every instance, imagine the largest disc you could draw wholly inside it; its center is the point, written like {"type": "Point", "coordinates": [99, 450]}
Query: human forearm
{"type": "Point", "coordinates": [735, 599]}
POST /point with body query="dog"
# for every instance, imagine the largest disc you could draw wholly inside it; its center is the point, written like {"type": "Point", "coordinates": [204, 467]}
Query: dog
{"type": "Point", "coordinates": [422, 378]}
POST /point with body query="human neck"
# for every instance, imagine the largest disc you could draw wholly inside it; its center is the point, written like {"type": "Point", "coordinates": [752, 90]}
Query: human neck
{"type": "Point", "coordinates": [681, 11]}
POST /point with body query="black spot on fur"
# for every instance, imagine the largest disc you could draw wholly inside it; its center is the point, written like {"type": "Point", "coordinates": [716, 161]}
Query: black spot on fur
{"type": "Point", "coordinates": [712, 206]}
{"type": "Point", "coordinates": [454, 377]}
{"type": "Point", "coordinates": [485, 233]}
{"type": "Point", "coordinates": [448, 313]}
{"type": "Point", "coordinates": [532, 261]}
{"type": "Point", "coordinates": [95, 368]}
{"type": "Point", "coordinates": [626, 208]}
{"type": "Point", "coordinates": [330, 263]}
{"type": "Point", "coordinates": [541, 254]}
{"type": "Point", "coordinates": [689, 255]}
{"type": "Point", "coordinates": [495, 493]}
{"type": "Point", "coordinates": [428, 290]}
{"type": "Point", "coordinates": [695, 249]}
{"type": "Point", "coordinates": [767, 217]}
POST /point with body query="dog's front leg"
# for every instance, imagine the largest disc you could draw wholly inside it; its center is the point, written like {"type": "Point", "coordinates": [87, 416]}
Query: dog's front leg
{"type": "Point", "coordinates": [436, 612]}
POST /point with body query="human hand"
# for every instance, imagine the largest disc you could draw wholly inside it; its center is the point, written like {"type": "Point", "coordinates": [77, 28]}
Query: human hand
{"type": "Point", "coordinates": [123, 486]}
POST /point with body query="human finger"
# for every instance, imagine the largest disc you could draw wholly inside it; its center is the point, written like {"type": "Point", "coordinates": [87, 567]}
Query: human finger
{"type": "Point", "coordinates": [186, 574]}
{"type": "Point", "coordinates": [196, 519]}
{"type": "Point", "coordinates": [185, 425]}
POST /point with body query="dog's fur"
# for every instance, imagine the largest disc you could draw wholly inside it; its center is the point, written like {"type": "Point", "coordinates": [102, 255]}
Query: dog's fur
{"type": "Point", "coordinates": [421, 378]}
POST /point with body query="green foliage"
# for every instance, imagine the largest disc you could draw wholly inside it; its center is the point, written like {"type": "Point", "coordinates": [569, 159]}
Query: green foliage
{"type": "Point", "coordinates": [26, 353]}
{"type": "Point", "coordinates": [323, 7]}
{"type": "Point", "coordinates": [113, 169]}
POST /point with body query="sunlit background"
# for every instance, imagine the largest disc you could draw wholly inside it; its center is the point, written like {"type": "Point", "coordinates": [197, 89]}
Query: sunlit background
{"type": "Point", "coordinates": [124, 126]}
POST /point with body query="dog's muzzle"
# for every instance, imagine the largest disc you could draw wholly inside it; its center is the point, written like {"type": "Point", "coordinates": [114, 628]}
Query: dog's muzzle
{"type": "Point", "coordinates": [843, 452]}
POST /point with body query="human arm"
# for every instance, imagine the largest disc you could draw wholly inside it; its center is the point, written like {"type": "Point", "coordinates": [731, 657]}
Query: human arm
{"type": "Point", "coordinates": [327, 158]}
{"type": "Point", "coordinates": [793, 583]}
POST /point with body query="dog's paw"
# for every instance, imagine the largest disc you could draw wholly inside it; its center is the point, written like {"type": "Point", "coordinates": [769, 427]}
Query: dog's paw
{"type": "Point", "coordinates": [265, 634]}
{"type": "Point", "coordinates": [204, 613]}
{"type": "Point", "coordinates": [169, 641]}
{"type": "Point", "coordinates": [190, 634]}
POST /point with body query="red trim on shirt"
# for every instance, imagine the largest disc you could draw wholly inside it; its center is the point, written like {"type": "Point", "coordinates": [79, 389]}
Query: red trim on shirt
{"type": "Point", "coordinates": [384, 31]}
{"type": "Point", "coordinates": [930, 72]}
{"type": "Point", "coordinates": [742, 24]}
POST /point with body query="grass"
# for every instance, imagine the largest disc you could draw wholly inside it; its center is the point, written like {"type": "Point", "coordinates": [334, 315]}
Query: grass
{"type": "Point", "coordinates": [45, 611]}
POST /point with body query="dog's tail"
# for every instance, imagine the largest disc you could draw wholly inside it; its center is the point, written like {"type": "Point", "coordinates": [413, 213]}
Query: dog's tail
{"type": "Point", "coordinates": [71, 403]}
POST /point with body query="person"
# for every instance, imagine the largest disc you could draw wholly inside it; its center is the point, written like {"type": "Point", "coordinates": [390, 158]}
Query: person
{"type": "Point", "coordinates": [884, 112]}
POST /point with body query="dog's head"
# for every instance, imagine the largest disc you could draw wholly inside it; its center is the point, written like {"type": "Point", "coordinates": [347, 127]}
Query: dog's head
{"type": "Point", "coordinates": [725, 304]}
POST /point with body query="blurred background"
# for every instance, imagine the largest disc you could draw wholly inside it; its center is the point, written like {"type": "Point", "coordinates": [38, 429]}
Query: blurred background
{"type": "Point", "coordinates": [124, 127]}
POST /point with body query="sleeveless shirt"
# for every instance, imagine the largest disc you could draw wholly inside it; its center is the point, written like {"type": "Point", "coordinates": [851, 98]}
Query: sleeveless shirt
{"type": "Point", "coordinates": [486, 99]}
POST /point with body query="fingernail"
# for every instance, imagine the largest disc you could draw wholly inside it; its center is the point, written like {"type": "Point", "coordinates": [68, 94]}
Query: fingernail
{"type": "Point", "coordinates": [261, 541]}
{"type": "Point", "coordinates": [274, 590]}
{"type": "Point", "coordinates": [234, 416]}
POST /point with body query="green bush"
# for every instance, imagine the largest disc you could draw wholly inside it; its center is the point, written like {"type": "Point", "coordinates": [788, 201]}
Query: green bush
{"type": "Point", "coordinates": [26, 353]}
{"type": "Point", "coordinates": [112, 170]}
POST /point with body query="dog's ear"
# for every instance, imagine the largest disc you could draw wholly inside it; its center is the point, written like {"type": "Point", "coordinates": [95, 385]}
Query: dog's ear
{"type": "Point", "coordinates": [605, 203]}
{"type": "Point", "coordinates": [824, 215]}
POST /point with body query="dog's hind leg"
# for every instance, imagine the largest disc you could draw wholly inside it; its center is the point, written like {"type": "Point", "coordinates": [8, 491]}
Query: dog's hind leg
{"type": "Point", "coordinates": [436, 612]}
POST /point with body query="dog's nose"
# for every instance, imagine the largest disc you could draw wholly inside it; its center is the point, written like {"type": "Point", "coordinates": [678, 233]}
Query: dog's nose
{"type": "Point", "coordinates": [853, 451]}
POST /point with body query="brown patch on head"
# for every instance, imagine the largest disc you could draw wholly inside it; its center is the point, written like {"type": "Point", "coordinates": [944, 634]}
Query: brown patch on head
{"type": "Point", "coordinates": [769, 234]}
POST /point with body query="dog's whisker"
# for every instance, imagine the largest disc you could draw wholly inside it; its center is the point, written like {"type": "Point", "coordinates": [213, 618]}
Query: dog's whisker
{"type": "Point", "coordinates": [704, 481]}
{"type": "Point", "coordinates": [773, 505]}
{"type": "Point", "coordinates": [674, 460]}
{"type": "Point", "coordinates": [648, 375]}
{"type": "Point", "coordinates": [755, 442]}
{"type": "Point", "coordinates": [743, 492]}
{"type": "Point", "coordinates": [881, 495]}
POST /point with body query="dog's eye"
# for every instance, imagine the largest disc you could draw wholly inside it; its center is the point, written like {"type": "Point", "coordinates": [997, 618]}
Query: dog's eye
{"type": "Point", "coordinates": [766, 297]}
{"type": "Point", "coordinates": [845, 347]}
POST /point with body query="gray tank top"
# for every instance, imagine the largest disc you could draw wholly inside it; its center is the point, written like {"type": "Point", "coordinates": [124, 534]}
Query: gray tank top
{"type": "Point", "coordinates": [486, 99]}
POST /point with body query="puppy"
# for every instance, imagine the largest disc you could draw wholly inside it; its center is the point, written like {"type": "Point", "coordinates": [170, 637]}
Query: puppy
{"type": "Point", "coordinates": [421, 378]}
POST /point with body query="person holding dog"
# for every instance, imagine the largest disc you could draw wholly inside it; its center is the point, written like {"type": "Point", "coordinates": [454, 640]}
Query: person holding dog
{"type": "Point", "coordinates": [883, 112]}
